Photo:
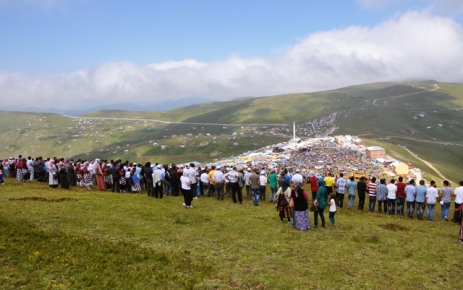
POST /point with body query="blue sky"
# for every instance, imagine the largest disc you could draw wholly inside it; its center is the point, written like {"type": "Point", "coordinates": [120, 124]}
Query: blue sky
{"type": "Point", "coordinates": [103, 51]}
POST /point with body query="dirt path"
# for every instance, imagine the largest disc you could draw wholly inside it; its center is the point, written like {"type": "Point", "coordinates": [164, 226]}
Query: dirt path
{"type": "Point", "coordinates": [387, 99]}
{"type": "Point", "coordinates": [428, 164]}
{"type": "Point", "coordinates": [181, 123]}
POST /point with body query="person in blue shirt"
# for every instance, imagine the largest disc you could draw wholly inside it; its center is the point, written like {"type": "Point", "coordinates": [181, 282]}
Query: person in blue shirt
{"type": "Point", "coordinates": [420, 199]}
{"type": "Point", "coordinates": [351, 188]}
{"type": "Point", "coordinates": [410, 192]}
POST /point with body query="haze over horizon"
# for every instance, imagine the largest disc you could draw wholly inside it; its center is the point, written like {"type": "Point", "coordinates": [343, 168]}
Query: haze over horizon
{"type": "Point", "coordinates": [68, 53]}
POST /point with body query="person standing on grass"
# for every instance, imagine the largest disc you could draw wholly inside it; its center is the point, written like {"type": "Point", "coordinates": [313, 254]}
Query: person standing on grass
{"type": "Point", "coordinates": [391, 196]}
{"type": "Point", "coordinates": [254, 181]}
{"type": "Point", "coordinates": [372, 194]}
{"type": "Point", "coordinates": [431, 198]}
{"type": "Point", "coordinates": [361, 191]}
{"type": "Point", "coordinates": [282, 205]}
{"type": "Point", "coordinates": [53, 177]}
{"type": "Point", "coordinates": [2, 182]}
{"type": "Point", "coordinates": [63, 176]}
{"type": "Point", "coordinates": [148, 175]}
{"type": "Point", "coordinates": [445, 199]}
{"type": "Point", "coordinates": [329, 182]}
{"type": "Point", "coordinates": [420, 199]}
{"type": "Point", "coordinates": [400, 196]}
{"type": "Point", "coordinates": [320, 203]}
{"type": "Point", "coordinates": [186, 190]}
{"type": "Point", "coordinates": [458, 194]}
{"type": "Point", "coordinates": [204, 177]}
{"type": "Point", "coordinates": [263, 184]}
{"type": "Point", "coordinates": [381, 195]}
{"type": "Point", "coordinates": [313, 186]}
{"type": "Point", "coordinates": [351, 187]}
{"type": "Point", "coordinates": [410, 192]}
{"type": "Point", "coordinates": [157, 181]}
{"type": "Point", "coordinates": [340, 189]}
{"type": "Point", "coordinates": [273, 180]}
{"type": "Point", "coordinates": [332, 204]}
{"type": "Point", "coordinates": [219, 180]}
{"type": "Point", "coordinates": [192, 174]}
{"type": "Point", "coordinates": [247, 174]}
{"type": "Point", "coordinates": [233, 178]}
{"type": "Point", "coordinates": [30, 168]}
{"type": "Point", "coordinates": [240, 184]}
{"type": "Point", "coordinates": [211, 181]}
{"type": "Point", "coordinates": [99, 175]}
{"type": "Point", "coordinates": [301, 208]}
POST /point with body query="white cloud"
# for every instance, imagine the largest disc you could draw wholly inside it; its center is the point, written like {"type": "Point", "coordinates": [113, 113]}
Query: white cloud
{"type": "Point", "coordinates": [446, 6]}
{"type": "Point", "coordinates": [415, 45]}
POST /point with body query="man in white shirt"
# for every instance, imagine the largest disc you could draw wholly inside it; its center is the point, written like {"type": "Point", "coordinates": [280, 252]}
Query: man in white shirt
{"type": "Point", "coordinates": [219, 180]}
{"type": "Point", "coordinates": [263, 184]}
{"type": "Point", "coordinates": [297, 178]}
{"type": "Point", "coordinates": [458, 193]}
{"type": "Point", "coordinates": [233, 177]}
{"type": "Point", "coordinates": [391, 196]}
{"type": "Point", "coordinates": [205, 182]}
{"type": "Point", "coordinates": [431, 198]}
{"type": "Point", "coordinates": [30, 168]}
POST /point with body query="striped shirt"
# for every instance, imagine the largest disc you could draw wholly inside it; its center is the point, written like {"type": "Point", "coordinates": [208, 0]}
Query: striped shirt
{"type": "Point", "coordinates": [372, 189]}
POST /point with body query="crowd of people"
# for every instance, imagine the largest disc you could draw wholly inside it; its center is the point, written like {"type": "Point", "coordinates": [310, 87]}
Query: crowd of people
{"type": "Point", "coordinates": [287, 187]}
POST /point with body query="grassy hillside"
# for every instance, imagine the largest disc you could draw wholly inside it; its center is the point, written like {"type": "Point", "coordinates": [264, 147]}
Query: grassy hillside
{"type": "Point", "coordinates": [426, 119]}
{"type": "Point", "coordinates": [78, 239]}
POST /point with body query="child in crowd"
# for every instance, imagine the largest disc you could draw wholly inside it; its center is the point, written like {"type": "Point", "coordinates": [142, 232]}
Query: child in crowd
{"type": "Point", "coordinates": [332, 202]}
{"type": "Point", "coordinates": [283, 208]}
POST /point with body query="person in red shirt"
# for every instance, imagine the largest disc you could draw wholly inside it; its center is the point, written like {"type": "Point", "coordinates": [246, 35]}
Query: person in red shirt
{"type": "Point", "coordinates": [400, 196]}
{"type": "Point", "coordinates": [313, 186]}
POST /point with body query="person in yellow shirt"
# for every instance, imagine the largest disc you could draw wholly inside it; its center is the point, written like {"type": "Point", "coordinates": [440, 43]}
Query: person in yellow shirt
{"type": "Point", "coordinates": [329, 182]}
{"type": "Point", "coordinates": [211, 181]}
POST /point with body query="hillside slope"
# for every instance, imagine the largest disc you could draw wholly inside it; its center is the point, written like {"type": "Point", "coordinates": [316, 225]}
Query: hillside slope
{"type": "Point", "coordinates": [425, 117]}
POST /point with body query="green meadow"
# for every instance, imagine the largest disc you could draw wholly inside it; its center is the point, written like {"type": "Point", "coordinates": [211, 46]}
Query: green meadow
{"type": "Point", "coordinates": [77, 239]}
{"type": "Point", "coordinates": [425, 118]}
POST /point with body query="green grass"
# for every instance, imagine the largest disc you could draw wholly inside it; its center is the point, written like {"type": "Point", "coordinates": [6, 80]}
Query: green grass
{"type": "Point", "coordinates": [97, 240]}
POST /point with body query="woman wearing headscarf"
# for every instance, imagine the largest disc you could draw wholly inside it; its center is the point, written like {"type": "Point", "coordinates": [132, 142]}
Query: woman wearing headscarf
{"type": "Point", "coordinates": [320, 203]}
{"type": "Point", "coordinates": [301, 207]}
{"type": "Point", "coordinates": [53, 175]}
{"type": "Point", "coordinates": [79, 175]}
{"type": "Point", "coordinates": [99, 175]}
{"type": "Point", "coordinates": [63, 176]}
{"type": "Point", "coordinates": [136, 188]}
{"type": "Point", "coordinates": [87, 176]}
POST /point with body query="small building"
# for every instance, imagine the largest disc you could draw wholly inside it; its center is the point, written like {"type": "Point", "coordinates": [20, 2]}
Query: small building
{"type": "Point", "coordinates": [375, 152]}
{"type": "Point", "coordinates": [400, 168]}
{"type": "Point", "coordinates": [295, 141]}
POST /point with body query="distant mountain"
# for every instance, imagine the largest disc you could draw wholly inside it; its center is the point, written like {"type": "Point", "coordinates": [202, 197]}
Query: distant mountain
{"type": "Point", "coordinates": [160, 106]}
